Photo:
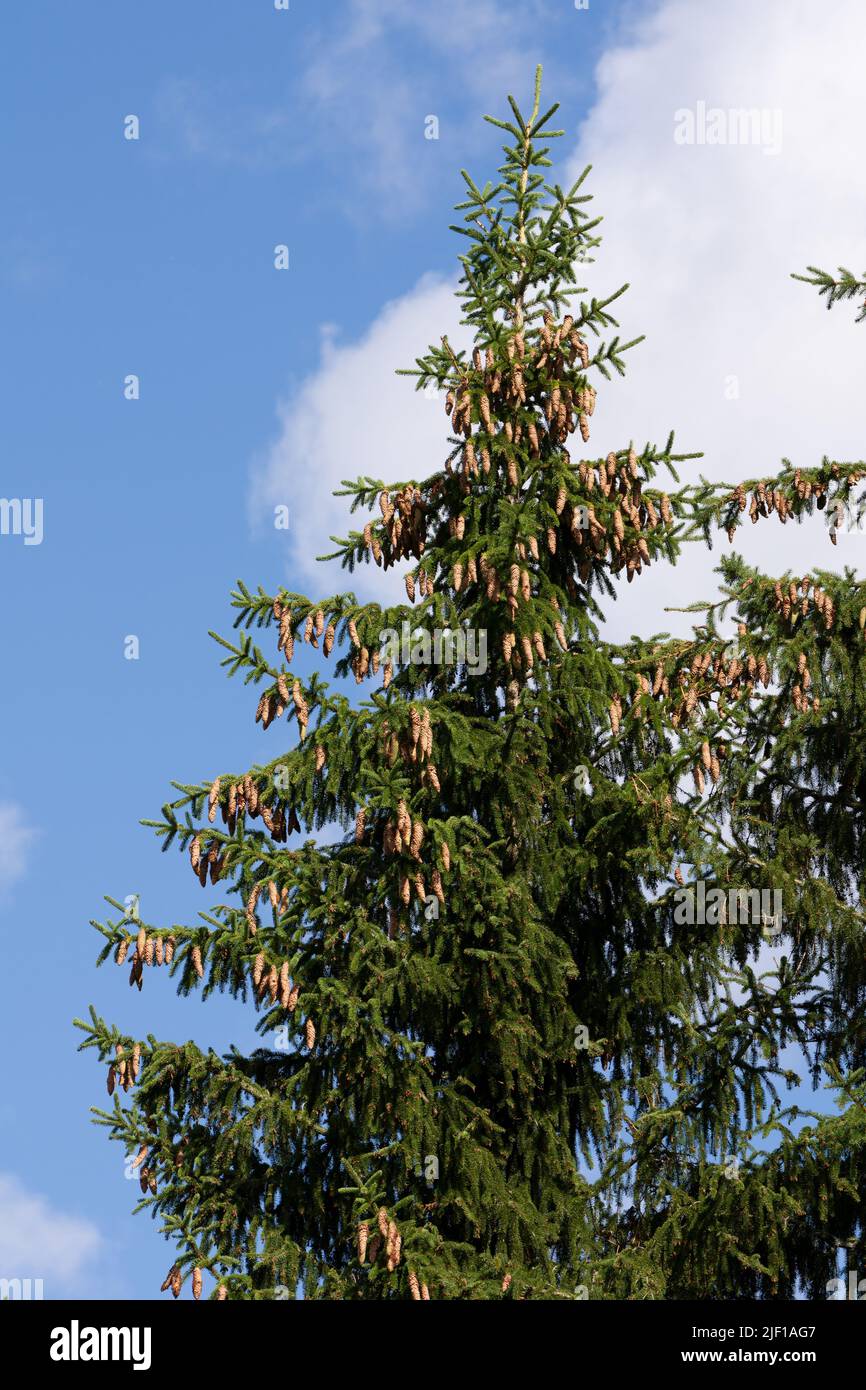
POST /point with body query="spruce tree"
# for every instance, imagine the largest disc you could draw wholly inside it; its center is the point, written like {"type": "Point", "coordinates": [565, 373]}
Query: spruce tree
{"type": "Point", "coordinates": [501, 1058]}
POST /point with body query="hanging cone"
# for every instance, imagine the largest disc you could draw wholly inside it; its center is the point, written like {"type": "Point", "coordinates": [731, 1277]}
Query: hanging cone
{"type": "Point", "coordinates": [196, 1283]}
{"type": "Point", "coordinates": [414, 1287]}
{"type": "Point", "coordinates": [436, 884]}
{"type": "Point", "coordinates": [310, 1034]}
{"type": "Point", "coordinates": [222, 1293]}
{"type": "Point", "coordinates": [363, 1238]}
{"type": "Point", "coordinates": [195, 957]}
{"type": "Point", "coordinates": [121, 952]}
{"type": "Point", "coordinates": [360, 822]}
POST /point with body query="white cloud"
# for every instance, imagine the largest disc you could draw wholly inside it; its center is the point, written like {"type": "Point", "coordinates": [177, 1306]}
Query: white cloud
{"type": "Point", "coordinates": [707, 237]}
{"type": "Point", "coordinates": [37, 1241]}
{"type": "Point", "coordinates": [354, 417]}
{"type": "Point", "coordinates": [16, 838]}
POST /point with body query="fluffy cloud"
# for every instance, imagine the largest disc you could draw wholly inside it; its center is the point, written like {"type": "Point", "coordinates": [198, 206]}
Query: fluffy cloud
{"type": "Point", "coordinates": [15, 841]}
{"type": "Point", "coordinates": [742, 361]}
{"type": "Point", "coordinates": [352, 419]}
{"type": "Point", "coordinates": [39, 1242]}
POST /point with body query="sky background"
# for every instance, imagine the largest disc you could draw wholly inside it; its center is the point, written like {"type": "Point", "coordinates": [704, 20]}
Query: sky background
{"type": "Point", "coordinates": [261, 387]}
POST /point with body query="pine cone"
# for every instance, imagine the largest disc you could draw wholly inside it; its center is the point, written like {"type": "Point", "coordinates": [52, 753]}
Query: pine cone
{"type": "Point", "coordinates": [213, 800]}
{"type": "Point", "coordinates": [196, 1283]}
{"type": "Point", "coordinates": [195, 957]}
{"type": "Point", "coordinates": [363, 1238]}
{"type": "Point", "coordinates": [310, 1034]}
{"type": "Point", "coordinates": [414, 1287]}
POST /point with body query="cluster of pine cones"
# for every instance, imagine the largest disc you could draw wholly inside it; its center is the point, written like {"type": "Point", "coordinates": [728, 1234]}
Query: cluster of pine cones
{"type": "Point", "coordinates": [149, 950]}
{"type": "Point", "coordinates": [276, 983]}
{"type": "Point", "coordinates": [796, 602]}
{"type": "Point", "coordinates": [281, 821]}
{"type": "Point", "coordinates": [767, 498]}
{"type": "Point", "coordinates": [402, 836]}
{"type": "Point", "coordinates": [491, 388]}
{"type": "Point", "coordinates": [174, 1282]}
{"type": "Point", "coordinates": [621, 547]}
{"type": "Point", "coordinates": [124, 1070]}
{"type": "Point", "coordinates": [389, 1242]}
{"type": "Point", "coordinates": [403, 530]}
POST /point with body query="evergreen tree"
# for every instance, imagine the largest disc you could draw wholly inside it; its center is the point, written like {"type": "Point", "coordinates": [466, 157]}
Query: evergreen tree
{"type": "Point", "coordinates": [505, 1053]}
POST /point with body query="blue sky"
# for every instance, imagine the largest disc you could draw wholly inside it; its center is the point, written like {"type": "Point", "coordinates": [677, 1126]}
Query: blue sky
{"type": "Point", "coordinates": [155, 257]}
